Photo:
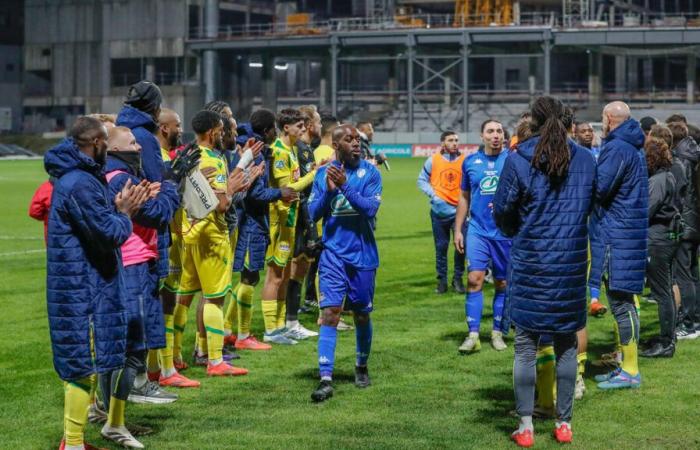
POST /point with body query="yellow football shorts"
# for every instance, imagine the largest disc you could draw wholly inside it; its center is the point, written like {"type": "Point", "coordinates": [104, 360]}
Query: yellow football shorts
{"type": "Point", "coordinates": [281, 245]}
{"type": "Point", "coordinates": [206, 267]}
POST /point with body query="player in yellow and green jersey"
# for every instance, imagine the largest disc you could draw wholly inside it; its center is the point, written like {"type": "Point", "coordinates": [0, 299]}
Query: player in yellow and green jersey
{"type": "Point", "coordinates": [284, 173]}
{"type": "Point", "coordinates": [206, 255]}
{"type": "Point", "coordinates": [169, 135]}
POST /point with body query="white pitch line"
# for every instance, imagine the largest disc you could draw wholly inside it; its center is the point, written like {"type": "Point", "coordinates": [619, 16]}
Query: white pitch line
{"type": "Point", "coordinates": [19, 238]}
{"type": "Point", "coordinates": [23, 252]}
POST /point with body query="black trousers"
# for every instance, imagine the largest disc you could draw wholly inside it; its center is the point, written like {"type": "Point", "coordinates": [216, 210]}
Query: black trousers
{"type": "Point", "coordinates": [660, 276]}
{"type": "Point", "coordinates": [687, 277]}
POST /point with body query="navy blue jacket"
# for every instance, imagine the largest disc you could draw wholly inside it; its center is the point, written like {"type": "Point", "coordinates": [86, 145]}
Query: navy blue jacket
{"type": "Point", "coordinates": [254, 215]}
{"type": "Point", "coordinates": [155, 213]}
{"type": "Point", "coordinates": [620, 220]}
{"type": "Point", "coordinates": [84, 285]}
{"type": "Point", "coordinates": [143, 126]}
{"type": "Point", "coordinates": [549, 225]}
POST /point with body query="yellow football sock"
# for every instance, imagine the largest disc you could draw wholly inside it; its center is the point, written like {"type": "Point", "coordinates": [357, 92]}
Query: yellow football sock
{"type": "Point", "coordinates": [281, 313]}
{"type": "Point", "coordinates": [546, 377]}
{"type": "Point", "coordinates": [179, 322]}
{"type": "Point", "coordinates": [629, 358]}
{"type": "Point", "coordinates": [231, 311]}
{"type": "Point", "coordinates": [152, 363]}
{"type": "Point", "coordinates": [581, 358]}
{"type": "Point", "coordinates": [214, 324]}
{"type": "Point", "coordinates": [269, 310]}
{"type": "Point", "coordinates": [245, 309]}
{"type": "Point", "coordinates": [77, 395]}
{"type": "Point", "coordinates": [202, 343]}
{"type": "Point", "coordinates": [116, 412]}
{"type": "Point", "coordinates": [166, 354]}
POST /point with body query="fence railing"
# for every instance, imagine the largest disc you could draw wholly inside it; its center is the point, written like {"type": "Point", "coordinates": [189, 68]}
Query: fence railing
{"type": "Point", "coordinates": [427, 21]}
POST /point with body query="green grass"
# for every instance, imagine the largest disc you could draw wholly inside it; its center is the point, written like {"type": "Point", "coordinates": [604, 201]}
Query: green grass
{"type": "Point", "coordinates": [424, 394]}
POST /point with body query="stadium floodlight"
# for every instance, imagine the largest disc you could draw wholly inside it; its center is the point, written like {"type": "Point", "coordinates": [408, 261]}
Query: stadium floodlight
{"type": "Point", "coordinates": [255, 64]}
{"type": "Point", "coordinates": [284, 66]}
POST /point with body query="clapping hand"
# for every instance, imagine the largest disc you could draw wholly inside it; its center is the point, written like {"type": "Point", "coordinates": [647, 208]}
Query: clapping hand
{"type": "Point", "coordinates": [132, 197]}
{"type": "Point", "coordinates": [336, 175]}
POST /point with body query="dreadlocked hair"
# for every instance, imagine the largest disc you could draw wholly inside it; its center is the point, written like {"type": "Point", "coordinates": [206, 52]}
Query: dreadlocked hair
{"type": "Point", "coordinates": [217, 106]}
{"type": "Point", "coordinates": [552, 155]}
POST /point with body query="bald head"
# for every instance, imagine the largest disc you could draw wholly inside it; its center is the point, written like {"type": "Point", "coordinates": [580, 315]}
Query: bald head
{"type": "Point", "coordinates": [614, 114]}
{"type": "Point", "coordinates": [169, 129]}
{"type": "Point", "coordinates": [339, 132]}
{"type": "Point", "coordinates": [167, 115]}
{"type": "Point", "coordinates": [346, 143]}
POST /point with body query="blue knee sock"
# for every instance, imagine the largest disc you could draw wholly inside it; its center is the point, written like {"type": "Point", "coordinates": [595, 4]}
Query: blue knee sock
{"type": "Point", "coordinates": [499, 301]}
{"type": "Point", "coordinates": [326, 351]}
{"type": "Point", "coordinates": [595, 293]}
{"type": "Point", "coordinates": [473, 307]}
{"type": "Point", "coordinates": [363, 338]}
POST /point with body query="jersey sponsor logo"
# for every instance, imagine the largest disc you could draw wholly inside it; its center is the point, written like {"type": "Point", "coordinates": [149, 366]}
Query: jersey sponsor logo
{"type": "Point", "coordinates": [488, 184]}
{"type": "Point", "coordinates": [361, 173]}
{"type": "Point", "coordinates": [340, 206]}
{"type": "Point", "coordinates": [478, 161]}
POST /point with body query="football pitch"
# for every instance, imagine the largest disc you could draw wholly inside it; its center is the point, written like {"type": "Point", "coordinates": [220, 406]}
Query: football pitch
{"type": "Point", "coordinates": [424, 394]}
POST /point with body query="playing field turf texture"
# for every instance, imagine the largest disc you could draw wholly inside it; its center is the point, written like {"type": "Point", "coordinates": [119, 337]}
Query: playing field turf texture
{"type": "Point", "coordinates": [424, 394]}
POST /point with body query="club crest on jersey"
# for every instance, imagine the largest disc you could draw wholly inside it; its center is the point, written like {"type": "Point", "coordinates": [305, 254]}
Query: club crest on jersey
{"type": "Point", "coordinates": [488, 184]}
{"type": "Point", "coordinates": [220, 178]}
{"type": "Point", "coordinates": [491, 164]}
{"type": "Point", "coordinates": [340, 206]}
{"type": "Point", "coordinates": [279, 164]}
{"type": "Point", "coordinates": [361, 173]}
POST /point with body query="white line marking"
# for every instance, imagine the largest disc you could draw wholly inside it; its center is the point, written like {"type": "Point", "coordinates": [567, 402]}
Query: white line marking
{"type": "Point", "coordinates": [19, 238]}
{"type": "Point", "coordinates": [23, 252]}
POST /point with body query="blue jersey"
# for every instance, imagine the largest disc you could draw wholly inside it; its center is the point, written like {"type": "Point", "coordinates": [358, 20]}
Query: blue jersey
{"type": "Point", "coordinates": [348, 214]}
{"type": "Point", "coordinates": [480, 173]}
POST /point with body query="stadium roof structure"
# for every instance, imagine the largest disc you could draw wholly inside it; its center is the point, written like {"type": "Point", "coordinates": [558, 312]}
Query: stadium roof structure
{"type": "Point", "coordinates": [455, 47]}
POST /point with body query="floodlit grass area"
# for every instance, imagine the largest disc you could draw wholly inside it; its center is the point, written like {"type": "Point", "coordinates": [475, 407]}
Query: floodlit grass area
{"type": "Point", "coordinates": [424, 394]}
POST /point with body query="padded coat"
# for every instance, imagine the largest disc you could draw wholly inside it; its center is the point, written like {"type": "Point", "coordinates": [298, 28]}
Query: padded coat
{"type": "Point", "coordinates": [548, 259]}
{"type": "Point", "coordinates": [619, 223]}
{"type": "Point", "coordinates": [143, 126]}
{"type": "Point", "coordinates": [84, 286]}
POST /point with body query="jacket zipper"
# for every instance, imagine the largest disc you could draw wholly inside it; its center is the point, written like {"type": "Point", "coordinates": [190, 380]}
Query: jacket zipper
{"type": "Point", "coordinates": [93, 342]}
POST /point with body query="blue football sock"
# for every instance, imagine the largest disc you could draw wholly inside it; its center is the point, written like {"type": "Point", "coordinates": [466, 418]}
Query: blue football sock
{"type": "Point", "coordinates": [499, 301]}
{"type": "Point", "coordinates": [595, 292]}
{"type": "Point", "coordinates": [363, 338]}
{"type": "Point", "coordinates": [327, 338]}
{"type": "Point", "coordinates": [473, 307]}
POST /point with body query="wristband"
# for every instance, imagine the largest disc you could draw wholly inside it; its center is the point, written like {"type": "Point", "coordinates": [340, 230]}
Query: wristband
{"type": "Point", "coordinates": [246, 160]}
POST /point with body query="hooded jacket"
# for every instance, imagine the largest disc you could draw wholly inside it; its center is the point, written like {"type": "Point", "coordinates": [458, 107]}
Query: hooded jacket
{"type": "Point", "coordinates": [687, 154]}
{"type": "Point", "coordinates": [143, 126]}
{"type": "Point", "coordinates": [549, 226]}
{"type": "Point", "coordinates": [620, 219]}
{"type": "Point", "coordinates": [84, 286]}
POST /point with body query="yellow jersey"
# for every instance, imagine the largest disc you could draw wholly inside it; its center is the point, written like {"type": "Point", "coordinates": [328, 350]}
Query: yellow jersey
{"type": "Point", "coordinates": [165, 155]}
{"type": "Point", "coordinates": [212, 228]}
{"type": "Point", "coordinates": [323, 152]}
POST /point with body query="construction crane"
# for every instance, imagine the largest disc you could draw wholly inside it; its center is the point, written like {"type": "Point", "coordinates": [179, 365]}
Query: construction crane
{"type": "Point", "coordinates": [483, 12]}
